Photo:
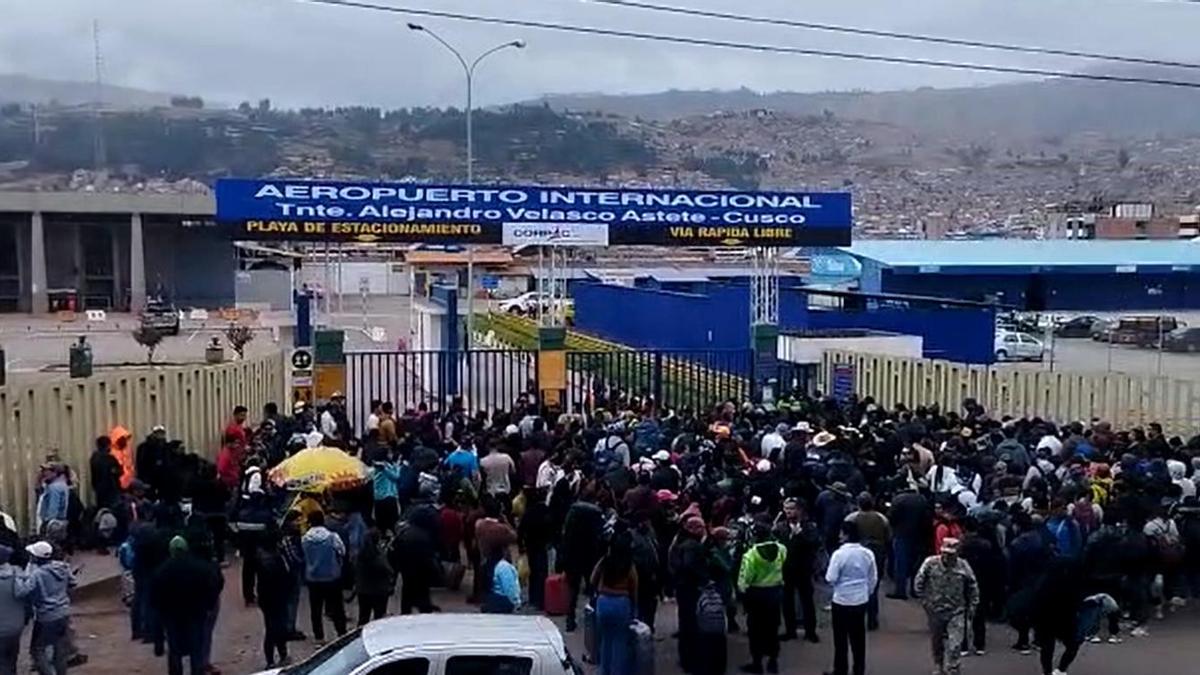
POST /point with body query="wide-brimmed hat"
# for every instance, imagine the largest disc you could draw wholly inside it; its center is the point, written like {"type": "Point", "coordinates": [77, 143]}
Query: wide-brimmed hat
{"type": "Point", "coordinates": [803, 427]}
{"type": "Point", "coordinates": [822, 439]}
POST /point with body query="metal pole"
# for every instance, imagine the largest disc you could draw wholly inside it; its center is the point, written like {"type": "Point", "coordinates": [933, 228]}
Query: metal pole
{"type": "Point", "coordinates": [412, 304]}
{"type": "Point", "coordinates": [339, 278]}
{"type": "Point", "coordinates": [328, 289]}
{"type": "Point", "coordinates": [470, 181]}
{"type": "Point", "coordinates": [1160, 345]}
{"type": "Point", "coordinates": [469, 71]}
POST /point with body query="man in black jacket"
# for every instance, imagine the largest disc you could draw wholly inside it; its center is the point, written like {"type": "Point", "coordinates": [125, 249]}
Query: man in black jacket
{"type": "Point", "coordinates": [152, 457]}
{"type": "Point", "coordinates": [987, 561]}
{"type": "Point", "coordinates": [186, 587]}
{"type": "Point", "coordinates": [106, 473]}
{"type": "Point", "coordinates": [796, 531]}
{"type": "Point", "coordinates": [911, 518]}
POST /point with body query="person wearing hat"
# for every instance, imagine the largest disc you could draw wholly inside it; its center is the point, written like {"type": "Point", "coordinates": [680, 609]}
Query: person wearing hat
{"type": "Point", "coordinates": [665, 476]}
{"type": "Point", "coordinates": [830, 509]}
{"type": "Point", "coordinates": [334, 424]}
{"type": "Point", "coordinates": [14, 612]}
{"type": "Point", "coordinates": [948, 590]}
{"type": "Point", "coordinates": [151, 460]}
{"type": "Point", "coordinates": [45, 584]}
{"type": "Point", "coordinates": [186, 587]}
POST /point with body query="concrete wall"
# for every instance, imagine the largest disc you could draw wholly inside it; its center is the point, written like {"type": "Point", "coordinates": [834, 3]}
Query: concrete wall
{"type": "Point", "coordinates": [194, 403]}
{"type": "Point", "coordinates": [800, 349]}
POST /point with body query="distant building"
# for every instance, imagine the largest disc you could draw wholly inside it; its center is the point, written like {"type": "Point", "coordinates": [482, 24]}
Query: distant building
{"type": "Point", "coordinates": [100, 250]}
{"type": "Point", "coordinates": [1119, 221]}
{"type": "Point", "coordinates": [1046, 275]}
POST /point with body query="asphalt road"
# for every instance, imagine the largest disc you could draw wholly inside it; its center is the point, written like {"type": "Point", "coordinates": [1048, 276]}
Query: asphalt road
{"type": "Point", "coordinates": [899, 648]}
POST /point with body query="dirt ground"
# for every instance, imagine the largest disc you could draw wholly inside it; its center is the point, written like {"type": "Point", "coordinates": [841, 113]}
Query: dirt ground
{"type": "Point", "coordinates": [899, 648]}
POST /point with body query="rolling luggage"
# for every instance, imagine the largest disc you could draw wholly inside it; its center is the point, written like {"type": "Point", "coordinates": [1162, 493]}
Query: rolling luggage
{"type": "Point", "coordinates": [555, 601]}
{"type": "Point", "coordinates": [643, 648]}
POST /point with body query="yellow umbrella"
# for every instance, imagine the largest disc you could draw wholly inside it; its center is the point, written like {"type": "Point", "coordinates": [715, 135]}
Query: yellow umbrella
{"type": "Point", "coordinates": [318, 469]}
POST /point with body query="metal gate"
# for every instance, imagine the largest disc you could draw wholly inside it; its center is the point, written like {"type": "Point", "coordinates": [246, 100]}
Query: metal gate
{"type": "Point", "coordinates": [486, 379]}
{"type": "Point", "coordinates": [492, 379]}
{"type": "Point", "coordinates": [693, 379]}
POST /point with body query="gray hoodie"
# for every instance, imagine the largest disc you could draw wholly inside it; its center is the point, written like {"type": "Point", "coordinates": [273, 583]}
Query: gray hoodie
{"type": "Point", "coordinates": [13, 609]}
{"type": "Point", "coordinates": [46, 586]}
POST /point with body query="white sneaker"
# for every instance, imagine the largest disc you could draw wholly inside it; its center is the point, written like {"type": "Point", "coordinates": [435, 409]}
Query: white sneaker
{"type": "Point", "coordinates": [1114, 640]}
{"type": "Point", "coordinates": [1178, 602]}
{"type": "Point", "coordinates": [1059, 672]}
{"type": "Point", "coordinates": [1095, 639]}
{"type": "Point", "coordinates": [1139, 631]}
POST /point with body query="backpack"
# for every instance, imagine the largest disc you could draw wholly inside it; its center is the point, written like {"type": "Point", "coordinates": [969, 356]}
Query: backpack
{"type": "Point", "coordinates": [1167, 547]}
{"type": "Point", "coordinates": [710, 611]}
{"type": "Point", "coordinates": [606, 458]}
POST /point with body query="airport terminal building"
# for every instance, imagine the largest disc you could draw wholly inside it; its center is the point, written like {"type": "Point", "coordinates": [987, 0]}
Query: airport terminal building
{"type": "Point", "coordinates": [94, 250]}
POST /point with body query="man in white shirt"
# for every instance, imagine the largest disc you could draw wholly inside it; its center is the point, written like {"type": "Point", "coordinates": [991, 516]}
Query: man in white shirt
{"type": "Point", "coordinates": [773, 442]}
{"type": "Point", "coordinates": [376, 414]}
{"type": "Point", "coordinates": [853, 575]}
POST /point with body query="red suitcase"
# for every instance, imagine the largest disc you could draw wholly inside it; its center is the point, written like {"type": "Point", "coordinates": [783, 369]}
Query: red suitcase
{"type": "Point", "coordinates": [555, 602]}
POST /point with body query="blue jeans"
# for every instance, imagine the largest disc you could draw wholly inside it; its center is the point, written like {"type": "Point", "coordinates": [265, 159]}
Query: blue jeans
{"type": "Point", "coordinates": [903, 562]}
{"type": "Point", "coordinates": [613, 615]}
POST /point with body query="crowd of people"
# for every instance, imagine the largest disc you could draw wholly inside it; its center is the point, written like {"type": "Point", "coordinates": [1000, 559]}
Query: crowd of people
{"type": "Point", "coordinates": [739, 513]}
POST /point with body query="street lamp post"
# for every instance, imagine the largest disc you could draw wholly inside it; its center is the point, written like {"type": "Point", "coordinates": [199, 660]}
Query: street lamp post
{"type": "Point", "coordinates": [469, 72]}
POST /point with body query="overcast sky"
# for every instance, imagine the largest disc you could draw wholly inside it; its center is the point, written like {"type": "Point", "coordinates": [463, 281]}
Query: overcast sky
{"type": "Point", "coordinates": [303, 54]}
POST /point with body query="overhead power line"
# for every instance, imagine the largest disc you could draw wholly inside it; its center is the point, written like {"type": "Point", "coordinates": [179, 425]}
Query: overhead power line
{"type": "Point", "coordinates": [750, 46]}
{"type": "Point", "coordinates": [891, 35]}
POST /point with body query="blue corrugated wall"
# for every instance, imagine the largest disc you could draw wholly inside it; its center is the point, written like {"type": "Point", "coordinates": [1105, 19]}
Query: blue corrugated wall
{"type": "Point", "coordinates": [719, 318]}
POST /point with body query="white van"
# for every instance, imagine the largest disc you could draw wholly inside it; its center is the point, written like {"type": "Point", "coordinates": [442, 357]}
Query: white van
{"type": "Point", "coordinates": [444, 644]}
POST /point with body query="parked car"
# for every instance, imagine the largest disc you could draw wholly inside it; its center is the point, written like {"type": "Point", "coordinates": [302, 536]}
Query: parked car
{"type": "Point", "coordinates": [1143, 331]}
{"type": "Point", "coordinates": [527, 303]}
{"type": "Point", "coordinates": [161, 316]}
{"type": "Point", "coordinates": [1182, 340]}
{"type": "Point", "coordinates": [444, 644]}
{"type": "Point", "coordinates": [1018, 347]}
{"type": "Point", "coordinates": [1077, 327]}
{"type": "Point", "coordinates": [1102, 330]}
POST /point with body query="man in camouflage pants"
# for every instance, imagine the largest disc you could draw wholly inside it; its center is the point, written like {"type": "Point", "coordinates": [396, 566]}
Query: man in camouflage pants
{"type": "Point", "coordinates": [948, 590]}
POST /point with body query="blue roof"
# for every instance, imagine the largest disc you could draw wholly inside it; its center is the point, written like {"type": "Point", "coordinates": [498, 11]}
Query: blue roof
{"type": "Point", "coordinates": [1026, 253]}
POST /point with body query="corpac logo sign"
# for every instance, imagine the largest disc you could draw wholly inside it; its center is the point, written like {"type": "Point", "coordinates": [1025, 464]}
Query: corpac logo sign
{"type": "Point", "coordinates": [555, 234]}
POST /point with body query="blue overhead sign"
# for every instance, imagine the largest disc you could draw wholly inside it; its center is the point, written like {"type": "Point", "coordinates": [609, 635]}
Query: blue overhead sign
{"type": "Point", "coordinates": [341, 211]}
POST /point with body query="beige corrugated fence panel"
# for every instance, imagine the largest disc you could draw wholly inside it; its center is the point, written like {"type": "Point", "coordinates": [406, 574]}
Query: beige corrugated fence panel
{"type": "Point", "coordinates": [192, 402]}
{"type": "Point", "coordinates": [1124, 400]}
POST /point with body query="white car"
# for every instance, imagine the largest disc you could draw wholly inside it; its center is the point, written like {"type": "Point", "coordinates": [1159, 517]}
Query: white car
{"type": "Point", "coordinates": [444, 644]}
{"type": "Point", "coordinates": [1018, 347]}
{"type": "Point", "coordinates": [527, 303]}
